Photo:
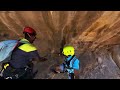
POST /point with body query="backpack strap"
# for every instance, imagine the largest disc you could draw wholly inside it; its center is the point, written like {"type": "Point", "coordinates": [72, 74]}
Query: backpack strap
{"type": "Point", "coordinates": [19, 44]}
{"type": "Point", "coordinates": [68, 62]}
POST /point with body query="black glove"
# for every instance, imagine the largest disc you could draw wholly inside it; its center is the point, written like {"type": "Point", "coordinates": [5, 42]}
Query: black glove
{"type": "Point", "coordinates": [53, 69]}
{"type": "Point", "coordinates": [44, 59]}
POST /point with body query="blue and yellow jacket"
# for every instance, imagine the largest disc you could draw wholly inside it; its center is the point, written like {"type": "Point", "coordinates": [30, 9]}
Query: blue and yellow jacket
{"type": "Point", "coordinates": [23, 54]}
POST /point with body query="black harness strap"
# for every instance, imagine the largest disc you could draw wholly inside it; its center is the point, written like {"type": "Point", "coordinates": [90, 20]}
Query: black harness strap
{"type": "Point", "coordinates": [18, 44]}
{"type": "Point", "coordinates": [68, 62]}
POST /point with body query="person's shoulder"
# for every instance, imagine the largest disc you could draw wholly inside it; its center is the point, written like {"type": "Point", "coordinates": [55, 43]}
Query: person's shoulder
{"type": "Point", "coordinates": [31, 46]}
{"type": "Point", "coordinates": [77, 60]}
{"type": "Point", "coordinates": [28, 47]}
{"type": "Point", "coordinates": [76, 57]}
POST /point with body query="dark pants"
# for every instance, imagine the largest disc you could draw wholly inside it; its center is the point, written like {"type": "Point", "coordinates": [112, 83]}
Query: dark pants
{"type": "Point", "coordinates": [71, 75]}
{"type": "Point", "coordinates": [22, 73]}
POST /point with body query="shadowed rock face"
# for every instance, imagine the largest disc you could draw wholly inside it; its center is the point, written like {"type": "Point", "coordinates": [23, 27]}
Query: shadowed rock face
{"type": "Point", "coordinates": [94, 34]}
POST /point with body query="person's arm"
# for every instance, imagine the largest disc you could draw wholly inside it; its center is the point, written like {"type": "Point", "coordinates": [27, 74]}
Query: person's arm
{"type": "Point", "coordinates": [76, 68]}
{"type": "Point", "coordinates": [39, 59]}
{"type": "Point", "coordinates": [36, 57]}
{"type": "Point", "coordinates": [76, 74]}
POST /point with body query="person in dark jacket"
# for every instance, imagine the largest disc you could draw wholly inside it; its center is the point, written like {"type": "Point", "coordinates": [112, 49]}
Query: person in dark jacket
{"type": "Point", "coordinates": [20, 66]}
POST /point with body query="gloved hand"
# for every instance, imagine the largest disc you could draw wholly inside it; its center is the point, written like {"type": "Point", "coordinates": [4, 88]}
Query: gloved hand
{"type": "Point", "coordinates": [44, 59]}
{"type": "Point", "coordinates": [53, 69]}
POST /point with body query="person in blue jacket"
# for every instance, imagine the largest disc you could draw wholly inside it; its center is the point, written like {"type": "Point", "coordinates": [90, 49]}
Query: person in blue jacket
{"type": "Point", "coordinates": [71, 63]}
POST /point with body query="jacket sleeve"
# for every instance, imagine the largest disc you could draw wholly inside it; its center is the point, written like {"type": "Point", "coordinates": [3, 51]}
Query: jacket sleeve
{"type": "Point", "coordinates": [76, 64]}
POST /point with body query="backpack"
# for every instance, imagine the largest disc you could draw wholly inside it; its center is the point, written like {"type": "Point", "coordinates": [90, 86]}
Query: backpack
{"type": "Point", "coordinates": [6, 48]}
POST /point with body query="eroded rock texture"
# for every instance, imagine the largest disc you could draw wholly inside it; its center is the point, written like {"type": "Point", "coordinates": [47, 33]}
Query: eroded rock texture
{"type": "Point", "coordinates": [94, 34]}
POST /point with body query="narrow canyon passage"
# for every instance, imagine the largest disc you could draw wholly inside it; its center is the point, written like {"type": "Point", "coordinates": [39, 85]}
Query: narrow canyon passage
{"type": "Point", "coordinates": [94, 34]}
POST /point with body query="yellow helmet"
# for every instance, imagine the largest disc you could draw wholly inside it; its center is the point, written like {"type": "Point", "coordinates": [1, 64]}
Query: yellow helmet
{"type": "Point", "coordinates": [68, 50]}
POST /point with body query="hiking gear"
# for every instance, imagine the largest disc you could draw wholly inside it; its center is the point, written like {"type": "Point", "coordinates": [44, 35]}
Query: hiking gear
{"type": "Point", "coordinates": [29, 30]}
{"type": "Point", "coordinates": [67, 62]}
{"type": "Point", "coordinates": [23, 54]}
{"type": "Point", "coordinates": [27, 47]}
{"type": "Point", "coordinates": [9, 72]}
{"type": "Point", "coordinates": [71, 63]}
{"type": "Point", "coordinates": [68, 50]}
{"type": "Point", "coordinates": [6, 48]}
{"type": "Point", "coordinates": [63, 68]}
{"type": "Point", "coordinates": [71, 76]}
{"type": "Point", "coordinates": [17, 69]}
